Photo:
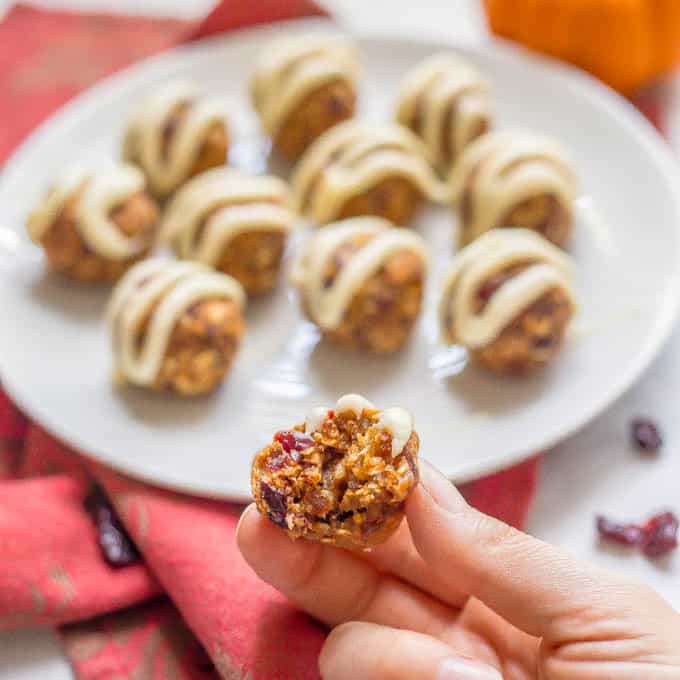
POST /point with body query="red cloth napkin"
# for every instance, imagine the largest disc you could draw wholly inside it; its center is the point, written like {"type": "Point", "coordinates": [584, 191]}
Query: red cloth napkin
{"type": "Point", "coordinates": [114, 623]}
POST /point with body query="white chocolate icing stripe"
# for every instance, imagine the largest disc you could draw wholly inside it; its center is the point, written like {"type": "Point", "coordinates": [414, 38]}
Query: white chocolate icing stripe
{"type": "Point", "coordinates": [397, 421]}
{"type": "Point", "coordinates": [430, 90]}
{"type": "Point", "coordinates": [144, 138]}
{"type": "Point", "coordinates": [327, 306]}
{"type": "Point", "coordinates": [549, 267]}
{"type": "Point", "coordinates": [103, 191]}
{"type": "Point", "coordinates": [169, 288]}
{"type": "Point", "coordinates": [292, 68]}
{"type": "Point", "coordinates": [354, 156]}
{"type": "Point", "coordinates": [510, 167]}
{"type": "Point", "coordinates": [239, 203]}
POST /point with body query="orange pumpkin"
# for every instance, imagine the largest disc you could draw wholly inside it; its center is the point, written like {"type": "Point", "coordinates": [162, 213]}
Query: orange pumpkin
{"type": "Point", "coordinates": [626, 43]}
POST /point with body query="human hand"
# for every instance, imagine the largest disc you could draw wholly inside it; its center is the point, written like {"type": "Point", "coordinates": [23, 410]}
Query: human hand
{"type": "Point", "coordinates": [457, 595]}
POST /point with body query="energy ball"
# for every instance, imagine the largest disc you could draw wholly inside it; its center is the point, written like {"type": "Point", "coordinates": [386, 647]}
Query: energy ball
{"type": "Point", "coordinates": [175, 326]}
{"type": "Point", "coordinates": [236, 223]}
{"type": "Point", "coordinates": [446, 103]}
{"type": "Point", "coordinates": [508, 298]}
{"type": "Point", "coordinates": [174, 135]}
{"type": "Point", "coordinates": [93, 224]}
{"type": "Point", "coordinates": [359, 168]}
{"type": "Point", "coordinates": [361, 282]}
{"type": "Point", "coordinates": [341, 478]}
{"type": "Point", "coordinates": [514, 179]}
{"type": "Point", "coordinates": [301, 87]}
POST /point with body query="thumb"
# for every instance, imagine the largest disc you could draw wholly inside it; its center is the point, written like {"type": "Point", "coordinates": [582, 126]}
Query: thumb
{"type": "Point", "coordinates": [536, 587]}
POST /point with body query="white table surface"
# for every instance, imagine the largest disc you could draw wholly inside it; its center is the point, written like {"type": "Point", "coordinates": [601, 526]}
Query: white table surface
{"type": "Point", "coordinates": [594, 471]}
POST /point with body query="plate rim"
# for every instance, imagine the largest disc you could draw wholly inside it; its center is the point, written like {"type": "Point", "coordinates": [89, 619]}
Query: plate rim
{"type": "Point", "coordinates": [636, 124]}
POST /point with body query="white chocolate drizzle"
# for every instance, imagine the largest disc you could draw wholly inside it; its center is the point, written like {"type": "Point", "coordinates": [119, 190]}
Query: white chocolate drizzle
{"type": "Point", "coordinates": [352, 158]}
{"type": "Point", "coordinates": [165, 289]}
{"type": "Point", "coordinates": [501, 169]}
{"type": "Point", "coordinates": [143, 142]}
{"type": "Point", "coordinates": [448, 96]}
{"type": "Point", "coordinates": [218, 205]}
{"type": "Point", "coordinates": [101, 192]}
{"type": "Point", "coordinates": [548, 267]}
{"type": "Point", "coordinates": [327, 306]}
{"type": "Point", "coordinates": [397, 421]}
{"type": "Point", "coordinates": [290, 69]}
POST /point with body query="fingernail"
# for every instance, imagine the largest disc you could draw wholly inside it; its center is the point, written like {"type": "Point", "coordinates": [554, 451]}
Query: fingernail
{"type": "Point", "coordinates": [243, 514]}
{"type": "Point", "coordinates": [462, 669]}
{"type": "Point", "coordinates": [442, 491]}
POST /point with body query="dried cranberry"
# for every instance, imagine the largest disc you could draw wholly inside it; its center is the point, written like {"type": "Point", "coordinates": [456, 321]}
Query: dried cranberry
{"type": "Point", "coordinates": [660, 535]}
{"type": "Point", "coordinates": [115, 543]}
{"type": "Point", "coordinates": [292, 440]}
{"type": "Point", "coordinates": [626, 534]}
{"type": "Point", "coordinates": [544, 341]}
{"type": "Point", "coordinates": [337, 106]}
{"type": "Point", "coordinates": [277, 504]}
{"type": "Point", "coordinates": [646, 434]}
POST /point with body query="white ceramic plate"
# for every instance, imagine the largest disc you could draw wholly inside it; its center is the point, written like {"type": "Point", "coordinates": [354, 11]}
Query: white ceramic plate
{"type": "Point", "coordinates": [54, 350]}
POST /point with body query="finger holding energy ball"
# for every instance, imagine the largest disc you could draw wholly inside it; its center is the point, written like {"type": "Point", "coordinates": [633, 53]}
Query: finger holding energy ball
{"type": "Point", "coordinates": [175, 326]}
{"type": "Point", "coordinates": [94, 223]}
{"type": "Point", "coordinates": [342, 477]}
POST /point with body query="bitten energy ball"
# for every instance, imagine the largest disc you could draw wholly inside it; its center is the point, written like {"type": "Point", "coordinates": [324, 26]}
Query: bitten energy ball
{"type": "Point", "coordinates": [341, 478]}
{"type": "Point", "coordinates": [175, 326]}
{"type": "Point", "coordinates": [508, 298]}
{"type": "Point", "coordinates": [361, 168]}
{"type": "Point", "coordinates": [446, 103]}
{"type": "Point", "coordinates": [175, 135]}
{"type": "Point", "coordinates": [93, 224]}
{"type": "Point", "coordinates": [301, 87]}
{"type": "Point", "coordinates": [233, 222]}
{"type": "Point", "coordinates": [361, 282]}
{"type": "Point", "coordinates": [514, 179]}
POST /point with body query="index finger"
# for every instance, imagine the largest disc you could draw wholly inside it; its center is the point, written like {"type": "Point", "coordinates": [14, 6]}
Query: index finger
{"type": "Point", "coordinates": [539, 588]}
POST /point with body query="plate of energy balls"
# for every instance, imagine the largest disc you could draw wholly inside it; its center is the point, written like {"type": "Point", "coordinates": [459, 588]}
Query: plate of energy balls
{"type": "Point", "coordinates": [201, 251]}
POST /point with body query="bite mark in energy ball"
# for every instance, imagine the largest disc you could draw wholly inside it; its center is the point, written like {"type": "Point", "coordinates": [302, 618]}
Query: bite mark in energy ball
{"type": "Point", "coordinates": [514, 179]}
{"type": "Point", "coordinates": [93, 225]}
{"type": "Point", "coordinates": [175, 135]}
{"type": "Point", "coordinates": [175, 326]}
{"type": "Point", "coordinates": [342, 477]}
{"type": "Point", "coordinates": [361, 282]}
{"type": "Point", "coordinates": [301, 87]}
{"type": "Point", "coordinates": [508, 298]}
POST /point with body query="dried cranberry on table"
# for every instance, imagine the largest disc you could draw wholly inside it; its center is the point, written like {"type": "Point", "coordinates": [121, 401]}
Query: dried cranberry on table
{"type": "Point", "coordinates": [657, 537]}
{"type": "Point", "coordinates": [626, 534]}
{"type": "Point", "coordinates": [660, 535]}
{"type": "Point", "coordinates": [646, 434]}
